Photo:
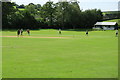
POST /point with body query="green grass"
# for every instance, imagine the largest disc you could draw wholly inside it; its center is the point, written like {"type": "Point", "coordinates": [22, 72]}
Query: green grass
{"type": "Point", "coordinates": [21, 9]}
{"type": "Point", "coordinates": [0, 55]}
{"type": "Point", "coordinates": [79, 56]}
{"type": "Point", "coordinates": [111, 12]}
{"type": "Point", "coordinates": [113, 20]}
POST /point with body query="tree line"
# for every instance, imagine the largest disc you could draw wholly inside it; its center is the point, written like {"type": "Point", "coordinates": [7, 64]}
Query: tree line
{"type": "Point", "coordinates": [64, 15]}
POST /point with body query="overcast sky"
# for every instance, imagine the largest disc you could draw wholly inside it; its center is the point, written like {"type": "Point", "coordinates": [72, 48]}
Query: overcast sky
{"type": "Point", "coordinates": [104, 5]}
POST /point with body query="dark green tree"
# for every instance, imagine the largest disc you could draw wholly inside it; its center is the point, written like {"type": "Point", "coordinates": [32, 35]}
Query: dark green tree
{"type": "Point", "coordinates": [31, 8]}
{"type": "Point", "coordinates": [8, 8]}
{"type": "Point", "coordinates": [48, 11]}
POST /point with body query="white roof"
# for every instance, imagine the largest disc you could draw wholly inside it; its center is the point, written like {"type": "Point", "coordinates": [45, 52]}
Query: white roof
{"type": "Point", "coordinates": [106, 23]}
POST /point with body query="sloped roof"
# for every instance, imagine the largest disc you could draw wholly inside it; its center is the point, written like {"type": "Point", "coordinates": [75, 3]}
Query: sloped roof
{"type": "Point", "coordinates": [106, 23]}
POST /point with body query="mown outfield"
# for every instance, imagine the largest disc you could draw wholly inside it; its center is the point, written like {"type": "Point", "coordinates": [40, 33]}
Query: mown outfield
{"type": "Point", "coordinates": [75, 55]}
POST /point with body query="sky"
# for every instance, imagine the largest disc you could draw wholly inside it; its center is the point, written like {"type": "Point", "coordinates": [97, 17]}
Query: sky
{"type": "Point", "coordinates": [104, 5]}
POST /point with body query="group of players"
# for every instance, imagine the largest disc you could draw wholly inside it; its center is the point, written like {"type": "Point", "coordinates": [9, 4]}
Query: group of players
{"type": "Point", "coordinates": [61, 32]}
{"type": "Point", "coordinates": [88, 33]}
{"type": "Point", "coordinates": [20, 32]}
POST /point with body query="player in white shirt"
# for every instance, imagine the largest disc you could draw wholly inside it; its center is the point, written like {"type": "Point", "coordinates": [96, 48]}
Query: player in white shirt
{"type": "Point", "coordinates": [116, 33]}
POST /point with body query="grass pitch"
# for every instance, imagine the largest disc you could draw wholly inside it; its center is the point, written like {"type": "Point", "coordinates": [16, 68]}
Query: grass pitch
{"type": "Point", "coordinates": [77, 56]}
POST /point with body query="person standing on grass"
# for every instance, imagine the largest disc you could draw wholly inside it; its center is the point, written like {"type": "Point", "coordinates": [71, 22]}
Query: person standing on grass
{"type": "Point", "coordinates": [18, 32]}
{"type": "Point", "coordinates": [60, 31]}
{"type": "Point", "coordinates": [28, 31]}
{"type": "Point", "coordinates": [116, 33]}
{"type": "Point", "coordinates": [21, 31]}
{"type": "Point", "coordinates": [87, 32]}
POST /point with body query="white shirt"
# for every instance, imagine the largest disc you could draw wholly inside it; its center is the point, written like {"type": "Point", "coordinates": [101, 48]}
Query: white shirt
{"type": "Point", "coordinates": [116, 31]}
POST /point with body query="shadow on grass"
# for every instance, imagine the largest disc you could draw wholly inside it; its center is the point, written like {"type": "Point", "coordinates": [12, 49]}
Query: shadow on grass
{"type": "Point", "coordinates": [15, 30]}
{"type": "Point", "coordinates": [77, 29]}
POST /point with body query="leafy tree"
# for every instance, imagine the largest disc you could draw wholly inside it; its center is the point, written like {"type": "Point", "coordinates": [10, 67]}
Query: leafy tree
{"type": "Point", "coordinates": [65, 15]}
{"type": "Point", "coordinates": [62, 14]}
{"type": "Point", "coordinates": [48, 10]}
{"type": "Point", "coordinates": [68, 14]}
{"type": "Point", "coordinates": [91, 17]}
{"type": "Point", "coordinates": [31, 8]}
{"type": "Point", "coordinates": [75, 18]}
{"type": "Point", "coordinates": [29, 21]}
{"type": "Point", "coordinates": [8, 8]}
{"type": "Point", "coordinates": [16, 20]}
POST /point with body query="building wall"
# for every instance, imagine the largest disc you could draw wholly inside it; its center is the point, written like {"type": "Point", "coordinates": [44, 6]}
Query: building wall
{"type": "Point", "coordinates": [102, 27]}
